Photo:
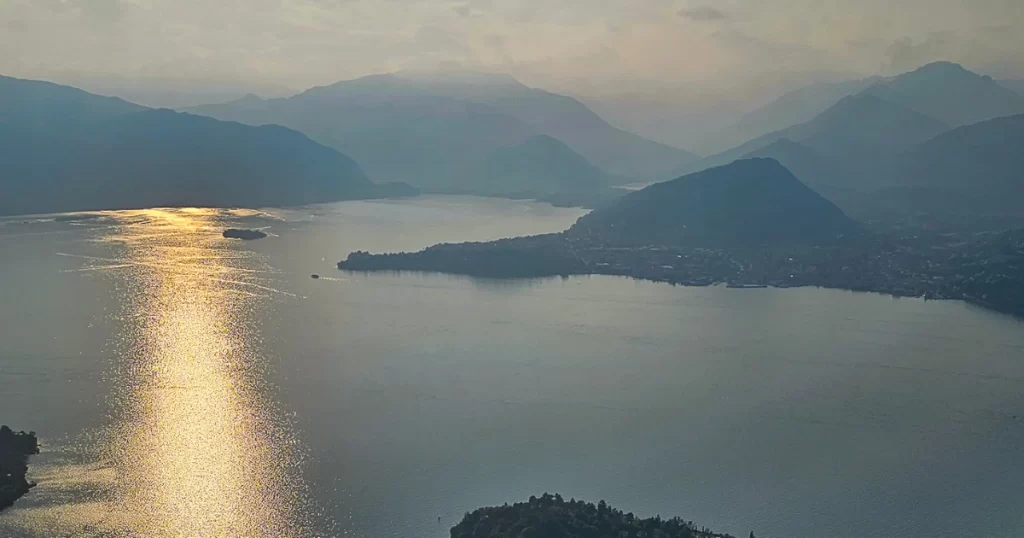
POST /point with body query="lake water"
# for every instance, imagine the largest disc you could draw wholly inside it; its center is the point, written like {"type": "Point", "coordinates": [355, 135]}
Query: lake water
{"type": "Point", "coordinates": [188, 385]}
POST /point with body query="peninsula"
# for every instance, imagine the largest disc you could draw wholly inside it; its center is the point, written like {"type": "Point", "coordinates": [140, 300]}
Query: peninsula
{"type": "Point", "coordinates": [747, 224]}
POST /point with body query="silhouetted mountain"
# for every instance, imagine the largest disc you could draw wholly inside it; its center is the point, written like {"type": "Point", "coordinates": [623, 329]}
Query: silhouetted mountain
{"type": "Point", "coordinates": [38, 104]}
{"type": "Point", "coordinates": [538, 167]}
{"type": "Point", "coordinates": [976, 169]}
{"type": "Point", "coordinates": [749, 202]}
{"type": "Point", "coordinates": [425, 129]}
{"type": "Point", "coordinates": [795, 107]}
{"type": "Point", "coordinates": [165, 90]}
{"type": "Point", "coordinates": [565, 118]}
{"type": "Point", "coordinates": [819, 172]}
{"type": "Point", "coordinates": [945, 91]}
{"type": "Point", "coordinates": [62, 149]}
{"type": "Point", "coordinates": [951, 94]}
{"type": "Point", "coordinates": [856, 129]}
{"type": "Point", "coordinates": [395, 130]}
{"type": "Point", "coordinates": [888, 117]}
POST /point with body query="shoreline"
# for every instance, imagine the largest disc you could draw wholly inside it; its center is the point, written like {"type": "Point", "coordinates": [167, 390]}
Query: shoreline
{"type": "Point", "coordinates": [986, 270]}
{"type": "Point", "coordinates": [978, 303]}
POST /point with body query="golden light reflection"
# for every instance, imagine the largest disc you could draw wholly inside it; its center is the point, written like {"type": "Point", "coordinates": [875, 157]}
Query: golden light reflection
{"type": "Point", "coordinates": [201, 450]}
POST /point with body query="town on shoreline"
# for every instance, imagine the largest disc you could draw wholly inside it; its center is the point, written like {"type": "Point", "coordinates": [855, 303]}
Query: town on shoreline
{"type": "Point", "coordinates": [982, 268]}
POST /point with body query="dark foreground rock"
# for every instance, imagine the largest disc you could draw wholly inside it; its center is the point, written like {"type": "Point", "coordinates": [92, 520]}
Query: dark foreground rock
{"type": "Point", "coordinates": [551, 516]}
{"type": "Point", "coordinates": [245, 235]}
{"type": "Point", "coordinates": [15, 448]}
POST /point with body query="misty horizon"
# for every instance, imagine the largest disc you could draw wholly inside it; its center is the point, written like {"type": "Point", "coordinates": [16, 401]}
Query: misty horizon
{"type": "Point", "coordinates": [511, 268]}
{"type": "Point", "coordinates": [686, 127]}
{"type": "Point", "coordinates": [708, 62]}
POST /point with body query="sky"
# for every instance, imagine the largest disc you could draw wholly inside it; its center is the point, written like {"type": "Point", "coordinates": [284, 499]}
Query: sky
{"type": "Point", "coordinates": [671, 50]}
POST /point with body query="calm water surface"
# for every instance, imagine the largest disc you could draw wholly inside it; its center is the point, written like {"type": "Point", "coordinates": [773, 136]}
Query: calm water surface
{"type": "Point", "coordinates": [188, 385]}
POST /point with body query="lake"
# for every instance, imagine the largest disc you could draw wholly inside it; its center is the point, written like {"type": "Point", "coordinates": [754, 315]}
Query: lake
{"type": "Point", "coordinates": [189, 385]}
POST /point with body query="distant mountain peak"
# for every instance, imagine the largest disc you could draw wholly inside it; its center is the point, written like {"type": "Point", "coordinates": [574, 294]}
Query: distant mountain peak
{"type": "Point", "coordinates": [939, 73]}
{"type": "Point", "coordinates": [943, 67]}
{"type": "Point", "coordinates": [249, 101]}
{"type": "Point", "coordinates": [942, 64]}
{"type": "Point", "coordinates": [951, 93]}
{"type": "Point", "coordinates": [461, 76]}
{"type": "Point", "coordinates": [421, 127]}
{"type": "Point", "coordinates": [367, 82]}
{"type": "Point", "coordinates": [411, 80]}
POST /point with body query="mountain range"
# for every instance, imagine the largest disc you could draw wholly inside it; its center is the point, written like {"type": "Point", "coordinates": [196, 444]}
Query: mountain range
{"type": "Point", "coordinates": [975, 169]}
{"type": "Point", "coordinates": [791, 108]}
{"type": "Point", "coordinates": [949, 93]}
{"type": "Point", "coordinates": [937, 139]}
{"type": "Point", "coordinates": [858, 127]}
{"type": "Point", "coordinates": [944, 90]}
{"type": "Point", "coordinates": [429, 129]}
{"type": "Point", "coordinates": [855, 151]}
{"type": "Point", "coordinates": [64, 149]}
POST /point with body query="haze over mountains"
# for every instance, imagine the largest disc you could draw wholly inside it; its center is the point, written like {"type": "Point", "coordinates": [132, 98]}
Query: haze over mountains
{"type": "Point", "coordinates": [792, 108]}
{"type": "Point", "coordinates": [977, 169]}
{"type": "Point", "coordinates": [858, 148]}
{"type": "Point", "coordinates": [63, 149]}
{"type": "Point", "coordinates": [949, 93]}
{"type": "Point", "coordinates": [857, 127]}
{"type": "Point", "coordinates": [964, 98]}
{"type": "Point", "coordinates": [428, 129]}
{"type": "Point", "coordinates": [924, 161]}
{"type": "Point", "coordinates": [539, 166]}
{"type": "Point", "coordinates": [881, 150]}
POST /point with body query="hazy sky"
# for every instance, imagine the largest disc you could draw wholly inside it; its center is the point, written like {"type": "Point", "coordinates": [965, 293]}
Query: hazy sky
{"type": "Point", "coordinates": [674, 48]}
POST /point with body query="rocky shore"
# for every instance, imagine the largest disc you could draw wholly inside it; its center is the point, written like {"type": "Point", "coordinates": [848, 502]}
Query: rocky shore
{"type": "Point", "coordinates": [15, 448]}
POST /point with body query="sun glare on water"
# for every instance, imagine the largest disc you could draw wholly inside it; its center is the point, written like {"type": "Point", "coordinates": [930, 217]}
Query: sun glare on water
{"type": "Point", "coordinates": [198, 447]}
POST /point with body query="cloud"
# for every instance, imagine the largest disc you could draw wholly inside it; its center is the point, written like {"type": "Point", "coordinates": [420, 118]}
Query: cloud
{"type": "Point", "coordinates": [432, 39]}
{"type": "Point", "coordinates": [904, 54]}
{"type": "Point", "coordinates": [702, 14]}
{"type": "Point", "coordinates": [634, 46]}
